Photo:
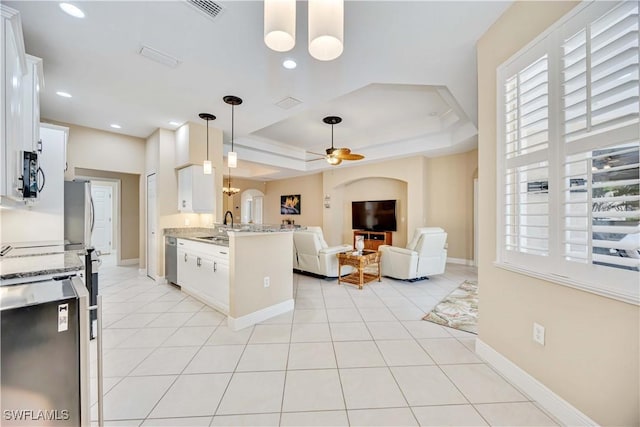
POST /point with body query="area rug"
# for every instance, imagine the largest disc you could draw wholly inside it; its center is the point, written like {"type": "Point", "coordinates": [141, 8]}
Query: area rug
{"type": "Point", "coordinates": [458, 310]}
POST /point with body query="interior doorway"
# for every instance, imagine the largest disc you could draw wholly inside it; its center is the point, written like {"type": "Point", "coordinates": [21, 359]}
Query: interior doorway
{"type": "Point", "coordinates": [252, 202]}
{"type": "Point", "coordinates": [152, 243]}
{"type": "Point", "coordinates": [102, 234]}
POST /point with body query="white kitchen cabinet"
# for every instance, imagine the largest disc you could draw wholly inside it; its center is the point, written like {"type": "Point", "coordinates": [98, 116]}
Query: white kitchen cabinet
{"type": "Point", "coordinates": [32, 84]}
{"type": "Point", "coordinates": [195, 190]}
{"type": "Point", "coordinates": [203, 272]}
{"type": "Point", "coordinates": [14, 67]}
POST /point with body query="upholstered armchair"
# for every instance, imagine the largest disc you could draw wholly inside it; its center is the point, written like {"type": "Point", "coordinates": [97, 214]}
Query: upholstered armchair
{"type": "Point", "coordinates": [424, 256]}
{"type": "Point", "coordinates": [312, 254]}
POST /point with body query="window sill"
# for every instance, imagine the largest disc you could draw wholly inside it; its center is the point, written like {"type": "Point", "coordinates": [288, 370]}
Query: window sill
{"type": "Point", "coordinates": [629, 298]}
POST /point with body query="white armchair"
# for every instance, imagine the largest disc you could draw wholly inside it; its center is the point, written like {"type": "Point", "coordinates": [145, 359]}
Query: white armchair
{"type": "Point", "coordinates": [425, 255]}
{"type": "Point", "coordinates": [312, 254]}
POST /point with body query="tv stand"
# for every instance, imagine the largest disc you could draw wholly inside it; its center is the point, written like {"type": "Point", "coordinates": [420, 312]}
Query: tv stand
{"type": "Point", "coordinates": [373, 239]}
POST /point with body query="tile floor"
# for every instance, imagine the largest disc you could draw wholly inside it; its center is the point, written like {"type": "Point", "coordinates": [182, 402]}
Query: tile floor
{"type": "Point", "coordinates": [343, 357]}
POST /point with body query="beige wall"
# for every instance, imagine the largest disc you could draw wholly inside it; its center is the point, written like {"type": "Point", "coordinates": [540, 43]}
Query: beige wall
{"type": "Point", "coordinates": [450, 188]}
{"type": "Point", "coordinates": [310, 189]}
{"type": "Point", "coordinates": [129, 209]}
{"type": "Point", "coordinates": [591, 356]}
{"type": "Point", "coordinates": [107, 152]}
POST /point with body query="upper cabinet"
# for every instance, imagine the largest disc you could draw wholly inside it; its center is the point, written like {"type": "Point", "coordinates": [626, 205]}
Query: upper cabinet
{"type": "Point", "coordinates": [32, 84]}
{"type": "Point", "coordinates": [195, 190]}
{"type": "Point", "coordinates": [191, 144]}
{"type": "Point", "coordinates": [14, 67]}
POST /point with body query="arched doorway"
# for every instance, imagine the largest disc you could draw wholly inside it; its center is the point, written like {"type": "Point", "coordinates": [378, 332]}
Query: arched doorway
{"type": "Point", "coordinates": [251, 202]}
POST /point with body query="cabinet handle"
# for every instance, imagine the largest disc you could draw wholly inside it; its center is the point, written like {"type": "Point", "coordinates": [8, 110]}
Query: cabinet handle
{"type": "Point", "coordinates": [185, 257]}
{"type": "Point", "coordinates": [215, 266]}
{"type": "Point", "coordinates": [198, 262]}
{"type": "Point", "coordinates": [184, 203]}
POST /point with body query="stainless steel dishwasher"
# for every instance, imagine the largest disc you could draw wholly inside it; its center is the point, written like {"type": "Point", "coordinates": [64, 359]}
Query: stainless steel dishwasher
{"type": "Point", "coordinates": [171, 259]}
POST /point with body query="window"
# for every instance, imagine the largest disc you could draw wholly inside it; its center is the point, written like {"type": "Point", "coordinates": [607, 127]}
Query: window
{"type": "Point", "coordinates": [569, 153]}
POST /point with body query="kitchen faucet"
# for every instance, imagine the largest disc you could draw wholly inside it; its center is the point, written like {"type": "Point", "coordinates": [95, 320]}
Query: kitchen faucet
{"type": "Point", "coordinates": [225, 218]}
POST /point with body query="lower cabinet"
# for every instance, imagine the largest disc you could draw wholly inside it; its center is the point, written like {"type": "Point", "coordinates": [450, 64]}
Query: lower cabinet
{"type": "Point", "coordinates": [203, 272]}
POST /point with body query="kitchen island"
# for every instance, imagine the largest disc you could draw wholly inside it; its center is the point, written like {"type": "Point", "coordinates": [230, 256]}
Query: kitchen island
{"type": "Point", "coordinates": [244, 272]}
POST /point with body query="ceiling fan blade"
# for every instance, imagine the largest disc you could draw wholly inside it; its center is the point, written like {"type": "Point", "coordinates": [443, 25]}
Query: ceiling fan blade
{"type": "Point", "coordinates": [339, 152]}
{"type": "Point", "coordinates": [351, 156]}
{"type": "Point", "coordinates": [315, 160]}
{"type": "Point", "coordinates": [316, 154]}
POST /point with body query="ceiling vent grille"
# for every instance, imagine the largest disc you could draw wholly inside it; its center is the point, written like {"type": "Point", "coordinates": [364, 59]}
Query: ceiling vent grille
{"type": "Point", "coordinates": [288, 103]}
{"type": "Point", "coordinates": [160, 57]}
{"type": "Point", "coordinates": [209, 8]}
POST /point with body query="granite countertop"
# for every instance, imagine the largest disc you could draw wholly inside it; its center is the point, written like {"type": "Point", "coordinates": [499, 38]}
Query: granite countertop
{"type": "Point", "coordinates": [31, 259]}
{"type": "Point", "coordinates": [218, 235]}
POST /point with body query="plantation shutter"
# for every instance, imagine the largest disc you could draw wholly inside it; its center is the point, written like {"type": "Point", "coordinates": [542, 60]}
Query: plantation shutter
{"type": "Point", "coordinates": [526, 167]}
{"type": "Point", "coordinates": [600, 141]}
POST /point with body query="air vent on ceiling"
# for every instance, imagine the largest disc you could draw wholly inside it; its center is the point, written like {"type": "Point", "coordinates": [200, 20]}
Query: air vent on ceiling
{"type": "Point", "coordinates": [159, 57]}
{"type": "Point", "coordinates": [209, 8]}
{"type": "Point", "coordinates": [288, 103]}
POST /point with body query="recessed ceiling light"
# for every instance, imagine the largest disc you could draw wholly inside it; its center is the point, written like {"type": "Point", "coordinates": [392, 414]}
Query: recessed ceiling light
{"type": "Point", "coordinates": [289, 64]}
{"type": "Point", "coordinates": [433, 113]}
{"type": "Point", "coordinates": [115, 126]}
{"type": "Point", "coordinates": [63, 94]}
{"type": "Point", "coordinates": [174, 123]}
{"type": "Point", "coordinates": [72, 10]}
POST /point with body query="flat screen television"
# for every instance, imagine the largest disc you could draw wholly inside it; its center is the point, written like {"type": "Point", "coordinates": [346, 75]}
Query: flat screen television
{"type": "Point", "coordinates": [374, 215]}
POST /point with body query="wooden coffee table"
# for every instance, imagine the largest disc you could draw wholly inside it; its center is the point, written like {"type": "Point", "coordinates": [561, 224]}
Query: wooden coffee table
{"type": "Point", "coordinates": [359, 262]}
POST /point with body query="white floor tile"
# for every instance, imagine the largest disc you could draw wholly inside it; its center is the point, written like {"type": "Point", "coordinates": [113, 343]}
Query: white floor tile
{"type": "Point", "coordinates": [317, 419]}
{"type": "Point", "coordinates": [169, 320]}
{"type": "Point", "coordinates": [120, 362]}
{"type": "Point", "coordinates": [366, 388]}
{"type": "Point", "coordinates": [514, 414]}
{"type": "Point", "coordinates": [480, 384]}
{"type": "Point", "coordinates": [449, 415]}
{"type": "Point", "coordinates": [264, 357]}
{"type": "Point", "coordinates": [343, 315]}
{"type": "Point", "coordinates": [426, 385]}
{"type": "Point", "coordinates": [191, 396]}
{"type": "Point", "coordinates": [165, 361]}
{"type": "Point", "coordinates": [187, 336]}
{"type": "Point", "coordinates": [423, 329]}
{"type": "Point", "coordinates": [205, 318]}
{"type": "Point", "coordinates": [403, 353]}
{"type": "Point", "coordinates": [253, 392]}
{"type": "Point", "coordinates": [310, 332]}
{"type": "Point", "coordinates": [271, 334]}
{"type": "Point", "coordinates": [187, 305]}
{"type": "Point", "coordinates": [310, 315]}
{"type": "Point", "coordinates": [223, 335]}
{"type": "Point", "coordinates": [398, 417]}
{"type": "Point", "coordinates": [215, 359]}
{"type": "Point", "coordinates": [134, 397]}
{"type": "Point", "coordinates": [448, 351]}
{"type": "Point", "coordinates": [338, 302]}
{"type": "Point", "coordinates": [381, 314]}
{"type": "Point", "coordinates": [312, 390]}
{"type": "Point", "coordinates": [147, 337]}
{"type": "Point", "coordinates": [157, 307]}
{"type": "Point", "coordinates": [284, 318]}
{"type": "Point", "coordinates": [177, 422]}
{"type": "Point", "coordinates": [252, 420]}
{"type": "Point", "coordinates": [358, 354]}
{"type": "Point", "coordinates": [350, 332]}
{"type": "Point", "coordinates": [112, 337]}
{"type": "Point", "coordinates": [388, 331]}
{"type": "Point", "coordinates": [311, 356]}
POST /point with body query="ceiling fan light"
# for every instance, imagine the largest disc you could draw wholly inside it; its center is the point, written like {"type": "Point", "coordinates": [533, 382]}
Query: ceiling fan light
{"type": "Point", "coordinates": [232, 159]}
{"type": "Point", "coordinates": [326, 29]}
{"type": "Point", "coordinates": [280, 24]}
{"type": "Point", "coordinates": [333, 161]}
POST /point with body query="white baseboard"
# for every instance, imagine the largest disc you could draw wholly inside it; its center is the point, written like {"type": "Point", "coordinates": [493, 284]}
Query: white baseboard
{"type": "Point", "coordinates": [160, 280]}
{"type": "Point", "coordinates": [236, 324]}
{"type": "Point", "coordinates": [130, 261]}
{"type": "Point", "coordinates": [558, 407]}
{"type": "Point", "coordinates": [459, 261]}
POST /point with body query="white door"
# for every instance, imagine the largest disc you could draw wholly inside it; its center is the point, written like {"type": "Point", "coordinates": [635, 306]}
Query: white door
{"type": "Point", "coordinates": [476, 230]}
{"type": "Point", "coordinates": [101, 237]}
{"type": "Point", "coordinates": [257, 209]}
{"type": "Point", "coordinates": [152, 244]}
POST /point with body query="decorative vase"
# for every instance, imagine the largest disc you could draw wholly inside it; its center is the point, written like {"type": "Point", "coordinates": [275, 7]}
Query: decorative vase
{"type": "Point", "coordinates": [359, 244]}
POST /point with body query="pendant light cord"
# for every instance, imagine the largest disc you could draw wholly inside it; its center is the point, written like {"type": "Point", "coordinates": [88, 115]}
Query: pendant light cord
{"type": "Point", "coordinates": [232, 109]}
{"type": "Point", "coordinates": [207, 139]}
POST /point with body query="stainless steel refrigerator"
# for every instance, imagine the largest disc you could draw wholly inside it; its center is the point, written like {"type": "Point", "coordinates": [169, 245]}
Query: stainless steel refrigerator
{"type": "Point", "coordinates": [44, 354]}
{"type": "Point", "coordinates": [78, 213]}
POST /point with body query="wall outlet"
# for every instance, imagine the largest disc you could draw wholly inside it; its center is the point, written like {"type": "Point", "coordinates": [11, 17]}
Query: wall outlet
{"type": "Point", "coordinates": [186, 221]}
{"type": "Point", "coordinates": [538, 333]}
{"type": "Point", "coordinates": [267, 281]}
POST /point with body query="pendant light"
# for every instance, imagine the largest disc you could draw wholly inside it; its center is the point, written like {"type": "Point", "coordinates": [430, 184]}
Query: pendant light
{"type": "Point", "coordinates": [280, 24]}
{"type": "Point", "coordinates": [232, 156]}
{"type": "Point", "coordinates": [326, 29]}
{"type": "Point", "coordinates": [206, 166]}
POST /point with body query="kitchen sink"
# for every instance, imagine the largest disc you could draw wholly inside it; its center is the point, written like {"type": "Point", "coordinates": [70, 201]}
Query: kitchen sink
{"type": "Point", "coordinates": [215, 238]}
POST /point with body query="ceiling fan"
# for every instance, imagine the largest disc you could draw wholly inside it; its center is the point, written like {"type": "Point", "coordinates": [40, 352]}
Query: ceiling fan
{"type": "Point", "coordinates": [335, 156]}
